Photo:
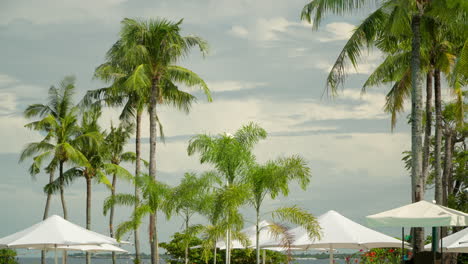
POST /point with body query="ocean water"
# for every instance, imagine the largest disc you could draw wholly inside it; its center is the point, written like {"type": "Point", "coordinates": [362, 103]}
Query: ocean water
{"type": "Point", "coordinates": [146, 261]}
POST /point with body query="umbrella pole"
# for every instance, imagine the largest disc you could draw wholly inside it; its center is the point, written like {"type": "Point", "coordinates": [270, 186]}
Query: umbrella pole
{"type": "Point", "coordinates": [441, 248]}
{"type": "Point", "coordinates": [63, 256]}
{"type": "Point", "coordinates": [56, 260]}
{"type": "Point", "coordinates": [264, 256]}
{"type": "Point", "coordinates": [402, 245]}
{"type": "Point", "coordinates": [435, 242]}
{"type": "Point", "coordinates": [332, 258]}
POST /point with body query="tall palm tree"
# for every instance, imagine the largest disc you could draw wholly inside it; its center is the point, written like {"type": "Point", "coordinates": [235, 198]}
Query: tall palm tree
{"type": "Point", "coordinates": [97, 168]}
{"type": "Point", "coordinates": [152, 48]}
{"type": "Point", "coordinates": [272, 179]}
{"type": "Point", "coordinates": [114, 144]}
{"type": "Point", "coordinates": [230, 155]}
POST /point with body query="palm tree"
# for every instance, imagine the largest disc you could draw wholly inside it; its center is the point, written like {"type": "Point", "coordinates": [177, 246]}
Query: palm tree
{"type": "Point", "coordinates": [151, 48]}
{"type": "Point", "coordinates": [114, 144]}
{"type": "Point", "coordinates": [230, 155]}
{"type": "Point", "coordinates": [188, 198]}
{"type": "Point", "coordinates": [97, 167]}
{"type": "Point", "coordinates": [272, 179]}
{"type": "Point", "coordinates": [153, 195]}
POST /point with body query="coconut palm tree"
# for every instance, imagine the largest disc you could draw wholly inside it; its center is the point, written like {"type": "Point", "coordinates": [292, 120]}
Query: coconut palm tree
{"type": "Point", "coordinates": [151, 49]}
{"type": "Point", "coordinates": [98, 165]}
{"type": "Point", "coordinates": [272, 179]}
{"type": "Point", "coordinates": [230, 155]}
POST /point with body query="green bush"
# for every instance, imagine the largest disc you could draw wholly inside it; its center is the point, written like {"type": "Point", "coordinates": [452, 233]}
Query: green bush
{"type": "Point", "coordinates": [8, 256]}
{"type": "Point", "coordinates": [176, 253]}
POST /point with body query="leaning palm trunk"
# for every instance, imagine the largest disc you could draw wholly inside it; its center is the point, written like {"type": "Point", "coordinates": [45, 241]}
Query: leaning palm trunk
{"type": "Point", "coordinates": [152, 167]}
{"type": "Point", "coordinates": [111, 215]}
{"type": "Point", "coordinates": [428, 129]}
{"type": "Point", "coordinates": [88, 211]}
{"type": "Point", "coordinates": [137, 173]}
{"type": "Point", "coordinates": [438, 138]}
{"type": "Point", "coordinates": [416, 125]}
{"type": "Point", "coordinates": [46, 212]}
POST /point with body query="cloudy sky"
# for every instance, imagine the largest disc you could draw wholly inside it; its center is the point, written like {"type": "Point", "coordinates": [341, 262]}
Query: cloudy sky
{"type": "Point", "coordinates": [265, 66]}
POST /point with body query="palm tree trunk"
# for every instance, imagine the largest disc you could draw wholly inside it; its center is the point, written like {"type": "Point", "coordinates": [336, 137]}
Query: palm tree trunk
{"type": "Point", "coordinates": [136, 232]}
{"type": "Point", "coordinates": [186, 244]}
{"type": "Point", "coordinates": [438, 138]}
{"type": "Point", "coordinates": [64, 205]}
{"type": "Point", "coordinates": [416, 124]}
{"type": "Point", "coordinates": [152, 166]}
{"type": "Point", "coordinates": [62, 196]}
{"type": "Point", "coordinates": [447, 164]}
{"type": "Point", "coordinates": [257, 234]}
{"type": "Point", "coordinates": [46, 211]}
{"type": "Point", "coordinates": [214, 256]}
{"type": "Point", "coordinates": [428, 130]}
{"type": "Point", "coordinates": [111, 215]}
{"type": "Point", "coordinates": [88, 211]}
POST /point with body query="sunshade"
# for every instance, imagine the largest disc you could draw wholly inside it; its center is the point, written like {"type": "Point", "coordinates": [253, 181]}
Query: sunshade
{"type": "Point", "coordinates": [90, 248]}
{"type": "Point", "coordinates": [455, 243]}
{"type": "Point", "coordinates": [419, 214]}
{"type": "Point", "coordinates": [338, 231]}
{"type": "Point", "coordinates": [52, 233]}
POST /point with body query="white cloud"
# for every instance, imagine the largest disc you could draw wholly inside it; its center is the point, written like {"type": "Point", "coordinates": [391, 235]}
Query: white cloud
{"type": "Point", "coordinates": [14, 135]}
{"type": "Point", "coordinates": [266, 29]}
{"type": "Point", "coordinates": [338, 31]}
{"type": "Point", "coordinates": [368, 63]}
{"type": "Point", "coordinates": [7, 103]}
{"type": "Point", "coordinates": [6, 80]}
{"type": "Point", "coordinates": [58, 11]}
{"type": "Point", "coordinates": [223, 86]}
{"type": "Point", "coordinates": [239, 31]}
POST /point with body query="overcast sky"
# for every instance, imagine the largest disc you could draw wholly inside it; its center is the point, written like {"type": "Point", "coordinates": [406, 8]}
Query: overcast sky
{"type": "Point", "coordinates": [265, 66]}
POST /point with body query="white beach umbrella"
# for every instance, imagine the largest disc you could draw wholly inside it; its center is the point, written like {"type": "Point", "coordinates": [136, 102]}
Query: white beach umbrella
{"type": "Point", "coordinates": [419, 214]}
{"type": "Point", "coordinates": [90, 248]}
{"type": "Point", "coordinates": [338, 231]}
{"type": "Point", "coordinates": [54, 232]}
{"type": "Point", "coordinates": [456, 242]}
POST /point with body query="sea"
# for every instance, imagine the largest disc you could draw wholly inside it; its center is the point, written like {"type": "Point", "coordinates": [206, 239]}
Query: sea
{"type": "Point", "coordinates": [34, 260]}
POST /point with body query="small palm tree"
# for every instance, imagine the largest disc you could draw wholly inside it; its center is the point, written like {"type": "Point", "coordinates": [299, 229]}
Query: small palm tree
{"type": "Point", "coordinates": [230, 155]}
{"type": "Point", "coordinates": [272, 179]}
{"type": "Point", "coordinates": [154, 194]}
{"type": "Point", "coordinates": [188, 198]}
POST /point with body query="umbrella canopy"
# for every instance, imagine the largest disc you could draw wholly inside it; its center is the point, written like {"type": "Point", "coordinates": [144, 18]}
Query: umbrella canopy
{"type": "Point", "coordinates": [419, 214]}
{"type": "Point", "coordinates": [340, 232]}
{"type": "Point", "coordinates": [94, 248]}
{"type": "Point", "coordinates": [454, 243]}
{"type": "Point", "coordinates": [54, 232]}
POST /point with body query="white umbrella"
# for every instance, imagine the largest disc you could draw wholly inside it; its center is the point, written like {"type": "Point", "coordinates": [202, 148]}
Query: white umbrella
{"type": "Point", "coordinates": [91, 248]}
{"type": "Point", "coordinates": [54, 232]}
{"type": "Point", "coordinates": [419, 214]}
{"type": "Point", "coordinates": [338, 231]}
{"type": "Point", "coordinates": [454, 243]}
